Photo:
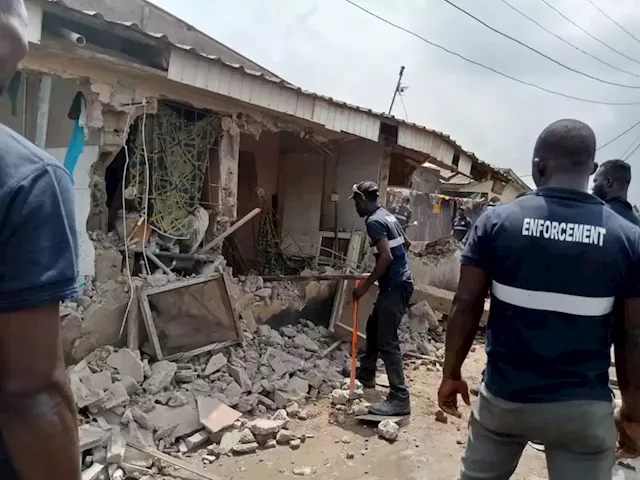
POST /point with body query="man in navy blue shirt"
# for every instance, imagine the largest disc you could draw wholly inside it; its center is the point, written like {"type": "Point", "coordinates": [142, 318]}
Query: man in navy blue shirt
{"type": "Point", "coordinates": [38, 269]}
{"type": "Point", "coordinates": [556, 261]}
{"type": "Point", "coordinates": [611, 184]}
{"type": "Point", "coordinates": [394, 279]}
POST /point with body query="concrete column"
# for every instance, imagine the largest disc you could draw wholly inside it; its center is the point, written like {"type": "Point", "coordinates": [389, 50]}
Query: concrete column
{"type": "Point", "coordinates": [228, 190]}
{"type": "Point", "coordinates": [44, 101]}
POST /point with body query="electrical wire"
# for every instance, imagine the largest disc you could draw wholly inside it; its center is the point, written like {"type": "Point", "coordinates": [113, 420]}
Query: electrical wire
{"type": "Point", "coordinates": [406, 115]}
{"type": "Point", "coordinates": [491, 69]}
{"type": "Point", "coordinates": [567, 42]}
{"type": "Point", "coordinates": [618, 136]}
{"type": "Point", "coordinates": [614, 21]}
{"type": "Point", "coordinates": [124, 221]}
{"type": "Point", "coordinates": [145, 212]}
{"type": "Point", "coordinates": [632, 151]}
{"type": "Point", "coordinates": [628, 149]}
{"type": "Point", "coordinates": [587, 32]}
{"type": "Point", "coordinates": [534, 50]}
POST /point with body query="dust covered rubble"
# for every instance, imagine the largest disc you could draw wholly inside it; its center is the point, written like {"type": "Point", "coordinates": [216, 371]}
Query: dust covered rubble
{"type": "Point", "coordinates": [274, 377]}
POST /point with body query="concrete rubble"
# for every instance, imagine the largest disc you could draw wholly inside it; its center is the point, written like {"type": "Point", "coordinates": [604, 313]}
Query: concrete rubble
{"type": "Point", "coordinates": [235, 402]}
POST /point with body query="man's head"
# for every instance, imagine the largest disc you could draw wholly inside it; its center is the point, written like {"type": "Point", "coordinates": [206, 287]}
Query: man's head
{"type": "Point", "coordinates": [612, 180]}
{"type": "Point", "coordinates": [406, 200]}
{"type": "Point", "coordinates": [564, 155]}
{"type": "Point", "coordinates": [13, 38]}
{"type": "Point", "coordinates": [461, 212]}
{"type": "Point", "coordinates": [365, 197]}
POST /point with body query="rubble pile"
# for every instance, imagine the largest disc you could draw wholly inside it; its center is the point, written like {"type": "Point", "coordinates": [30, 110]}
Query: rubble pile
{"type": "Point", "coordinates": [434, 252]}
{"type": "Point", "coordinates": [227, 403]}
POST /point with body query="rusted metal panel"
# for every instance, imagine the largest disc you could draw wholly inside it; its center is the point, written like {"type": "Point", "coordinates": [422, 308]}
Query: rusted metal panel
{"type": "Point", "coordinates": [426, 142]}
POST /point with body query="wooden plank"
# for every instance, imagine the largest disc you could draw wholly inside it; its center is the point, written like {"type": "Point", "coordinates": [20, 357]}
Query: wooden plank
{"type": "Point", "coordinates": [213, 348]}
{"type": "Point", "coordinates": [353, 255]}
{"type": "Point", "coordinates": [230, 230]}
{"type": "Point", "coordinates": [133, 322]}
{"type": "Point", "coordinates": [180, 284]}
{"type": "Point", "coordinates": [441, 300]}
{"type": "Point", "coordinates": [333, 346]}
{"type": "Point", "coordinates": [234, 312]}
{"type": "Point", "coordinates": [316, 278]}
{"type": "Point", "coordinates": [150, 326]}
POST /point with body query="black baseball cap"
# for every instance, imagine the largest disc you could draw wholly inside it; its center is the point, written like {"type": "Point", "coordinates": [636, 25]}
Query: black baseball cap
{"type": "Point", "coordinates": [365, 189]}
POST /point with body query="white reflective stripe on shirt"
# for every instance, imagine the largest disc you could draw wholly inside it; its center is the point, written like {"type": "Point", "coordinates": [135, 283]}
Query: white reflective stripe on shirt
{"type": "Point", "coordinates": [394, 243]}
{"type": "Point", "coordinates": [553, 302]}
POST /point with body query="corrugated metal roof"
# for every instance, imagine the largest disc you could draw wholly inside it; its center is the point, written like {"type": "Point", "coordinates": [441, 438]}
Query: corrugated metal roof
{"type": "Point", "coordinates": [164, 38]}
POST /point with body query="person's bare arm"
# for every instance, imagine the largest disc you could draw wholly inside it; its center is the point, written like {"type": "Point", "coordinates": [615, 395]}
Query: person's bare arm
{"type": "Point", "coordinates": [37, 409]}
{"type": "Point", "coordinates": [463, 322]}
{"type": "Point", "coordinates": [627, 354]}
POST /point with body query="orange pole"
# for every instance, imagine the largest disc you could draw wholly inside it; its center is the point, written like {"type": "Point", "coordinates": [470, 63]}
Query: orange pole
{"type": "Point", "coordinates": [354, 343]}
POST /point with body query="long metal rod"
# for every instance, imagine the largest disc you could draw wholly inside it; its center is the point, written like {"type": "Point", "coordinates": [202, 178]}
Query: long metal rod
{"type": "Point", "coordinates": [316, 278]}
{"type": "Point", "coordinates": [395, 92]}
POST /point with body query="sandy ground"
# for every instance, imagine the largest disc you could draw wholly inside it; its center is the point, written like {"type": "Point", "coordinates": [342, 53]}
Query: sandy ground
{"type": "Point", "coordinates": [426, 449]}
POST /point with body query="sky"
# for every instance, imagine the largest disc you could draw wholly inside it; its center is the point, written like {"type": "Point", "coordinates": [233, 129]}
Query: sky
{"type": "Point", "coordinates": [332, 48]}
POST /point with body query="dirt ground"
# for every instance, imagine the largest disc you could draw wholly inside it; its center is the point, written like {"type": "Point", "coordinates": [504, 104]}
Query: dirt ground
{"type": "Point", "coordinates": [425, 450]}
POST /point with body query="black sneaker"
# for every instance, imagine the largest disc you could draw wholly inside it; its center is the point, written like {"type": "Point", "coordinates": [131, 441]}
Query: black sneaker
{"type": "Point", "coordinates": [391, 407]}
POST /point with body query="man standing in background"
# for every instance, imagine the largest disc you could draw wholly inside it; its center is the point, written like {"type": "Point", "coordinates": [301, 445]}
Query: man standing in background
{"type": "Point", "coordinates": [611, 184]}
{"type": "Point", "coordinates": [38, 269]}
{"type": "Point", "coordinates": [461, 225]}
{"type": "Point", "coordinates": [403, 212]}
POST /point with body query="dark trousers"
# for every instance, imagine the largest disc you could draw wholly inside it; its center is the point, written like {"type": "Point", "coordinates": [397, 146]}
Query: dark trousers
{"type": "Point", "coordinates": [7, 472]}
{"type": "Point", "coordinates": [382, 337]}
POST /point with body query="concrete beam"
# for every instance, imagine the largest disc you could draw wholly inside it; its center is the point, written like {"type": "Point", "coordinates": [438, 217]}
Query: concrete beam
{"type": "Point", "coordinates": [44, 101]}
{"type": "Point", "coordinates": [228, 168]}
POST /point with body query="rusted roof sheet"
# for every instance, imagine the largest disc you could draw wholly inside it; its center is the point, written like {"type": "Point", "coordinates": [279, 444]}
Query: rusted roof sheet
{"type": "Point", "coordinates": [162, 37]}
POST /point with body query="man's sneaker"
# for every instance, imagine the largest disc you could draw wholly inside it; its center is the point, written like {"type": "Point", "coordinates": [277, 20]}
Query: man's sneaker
{"type": "Point", "coordinates": [391, 407]}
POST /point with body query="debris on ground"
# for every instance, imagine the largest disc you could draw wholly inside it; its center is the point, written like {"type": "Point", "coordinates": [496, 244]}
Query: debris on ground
{"type": "Point", "coordinates": [388, 430]}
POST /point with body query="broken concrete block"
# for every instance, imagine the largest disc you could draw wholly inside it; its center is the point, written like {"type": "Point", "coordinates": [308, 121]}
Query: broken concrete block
{"type": "Point", "coordinates": [270, 404]}
{"type": "Point", "coordinates": [186, 376]}
{"type": "Point", "coordinates": [229, 441]}
{"type": "Point", "coordinates": [161, 375]}
{"type": "Point", "coordinates": [130, 385]}
{"type": "Point", "coordinates": [126, 362]}
{"type": "Point", "coordinates": [116, 447]}
{"type": "Point", "coordinates": [164, 432]}
{"type": "Point", "coordinates": [247, 436]}
{"type": "Point", "coordinates": [249, 321]}
{"type": "Point", "coordinates": [293, 409]}
{"type": "Point", "coordinates": [215, 363]}
{"type": "Point", "coordinates": [262, 426]}
{"type": "Point", "coordinates": [84, 396]}
{"type": "Point", "coordinates": [305, 342]}
{"type": "Point", "coordinates": [295, 444]}
{"type": "Point", "coordinates": [246, 448]}
{"type": "Point", "coordinates": [91, 436]}
{"type": "Point", "coordinates": [108, 265]}
{"type": "Point", "coordinates": [214, 415]}
{"type": "Point", "coordinates": [282, 399]}
{"type": "Point", "coordinates": [98, 381]}
{"type": "Point", "coordinates": [135, 471]}
{"type": "Point", "coordinates": [234, 391]}
{"type": "Point", "coordinates": [116, 396]}
{"type": "Point", "coordinates": [340, 397]}
{"type": "Point", "coordinates": [241, 377]}
{"type": "Point", "coordinates": [284, 437]}
{"type": "Point", "coordinates": [270, 444]}
{"type": "Point", "coordinates": [197, 440]}
{"type": "Point", "coordinates": [303, 471]}
{"type": "Point", "coordinates": [142, 419]}
{"type": "Point", "coordinates": [298, 385]}
{"type": "Point", "coordinates": [281, 417]}
{"type": "Point", "coordinates": [94, 472]}
{"type": "Point", "coordinates": [186, 417]}
{"type": "Point", "coordinates": [388, 430]}
{"type": "Point", "coordinates": [282, 363]}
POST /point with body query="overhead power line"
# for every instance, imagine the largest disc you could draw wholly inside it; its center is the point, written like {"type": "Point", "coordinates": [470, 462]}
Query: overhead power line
{"type": "Point", "coordinates": [491, 69]}
{"type": "Point", "coordinates": [534, 50]}
{"type": "Point", "coordinates": [624, 155]}
{"type": "Point", "coordinates": [632, 151]}
{"type": "Point", "coordinates": [586, 32]}
{"type": "Point", "coordinates": [618, 136]}
{"type": "Point", "coordinates": [575, 47]}
{"type": "Point", "coordinates": [614, 21]}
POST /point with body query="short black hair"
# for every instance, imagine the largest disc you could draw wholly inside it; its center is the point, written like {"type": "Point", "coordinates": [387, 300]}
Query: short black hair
{"type": "Point", "coordinates": [570, 143]}
{"type": "Point", "coordinates": [618, 170]}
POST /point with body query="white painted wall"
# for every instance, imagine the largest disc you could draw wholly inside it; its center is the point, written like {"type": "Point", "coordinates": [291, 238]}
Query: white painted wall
{"type": "Point", "coordinates": [82, 197]}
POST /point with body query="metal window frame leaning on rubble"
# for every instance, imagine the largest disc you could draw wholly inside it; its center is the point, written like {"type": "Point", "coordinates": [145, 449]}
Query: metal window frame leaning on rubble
{"type": "Point", "coordinates": [149, 321]}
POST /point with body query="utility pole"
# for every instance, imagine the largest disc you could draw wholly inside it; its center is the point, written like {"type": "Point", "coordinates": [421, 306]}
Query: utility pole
{"type": "Point", "coordinates": [398, 89]}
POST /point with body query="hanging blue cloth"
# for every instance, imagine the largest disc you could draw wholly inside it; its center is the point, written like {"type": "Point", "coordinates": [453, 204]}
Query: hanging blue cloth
{"type": "Point", "coordinates": [75, 148]}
